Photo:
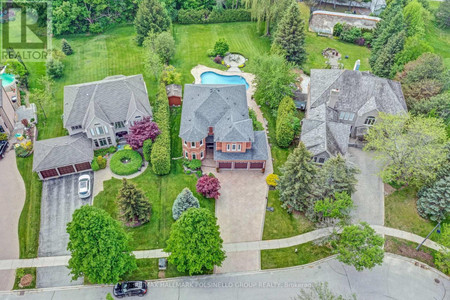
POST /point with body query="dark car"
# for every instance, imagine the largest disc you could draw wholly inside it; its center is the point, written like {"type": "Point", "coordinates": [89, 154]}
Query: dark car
{"type": "Point", "coordinates": [130, 288]}
{"type": "Point", "coordinates": [3, 147]}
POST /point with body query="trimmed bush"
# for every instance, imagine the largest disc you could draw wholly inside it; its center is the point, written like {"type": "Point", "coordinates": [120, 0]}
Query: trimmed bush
{"type": "Point", "coordinates": [160, 157]}
{"type": "Point", "coordinates": [272, 179]}
{"type": "Point", "coordinates": [125, 162]}
{"type": "Point", "coordinates": [101, 161]}
{"type": "Point", "coordinates": [221, 47]}
{"type": "Point", "coordinates": [204, 16]}
{"type": "Point", "coordinates": [285, 125]}
{"type": "Point", "coordinates": [104, 151]}
{"type": "Point", "coordinates": [184, 201]}
{"type": "Point", "coordinates": [257, 125]}
{"type": "Point", "coordinates": [147, 149]}
{"type": "Point", "coordinates": [208, 187]}
{"type": "Point", "coordinates": [194, 164]}
{"type": "Point", "coordinates": [55, 68]}
{"type": "Point", "coordinates": [94, 165]}
{"type": "Point", "coordinates": [66, 48]}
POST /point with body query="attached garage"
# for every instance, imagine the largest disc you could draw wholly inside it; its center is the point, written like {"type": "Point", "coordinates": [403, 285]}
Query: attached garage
{"type": "Point", "coordinates": [256, 165]}
{"type": "Point", "coordinates": [240, 165]}
{"type": "Point", "coordinates": [225, 165]}
{"type": "Point", "coordinates": [62, 156]}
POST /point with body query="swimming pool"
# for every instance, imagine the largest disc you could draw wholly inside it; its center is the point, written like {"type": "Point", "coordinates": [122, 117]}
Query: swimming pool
{"type": "Point", "coordinates": [214, 78]}
{"type": "Point", "coordinates": [7, 79]}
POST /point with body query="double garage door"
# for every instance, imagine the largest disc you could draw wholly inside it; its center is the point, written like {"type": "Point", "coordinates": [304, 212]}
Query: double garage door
{"type": "Point", "coordinates": [65, 170]}
{"type": "Point", "coordinates": [241, 165]}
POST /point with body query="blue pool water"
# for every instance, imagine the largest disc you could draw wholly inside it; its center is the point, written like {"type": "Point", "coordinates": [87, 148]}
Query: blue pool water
{"type": "Point", "coordinates": [7, 79]}
{"type": "Point", "coordinates": [214, 78]}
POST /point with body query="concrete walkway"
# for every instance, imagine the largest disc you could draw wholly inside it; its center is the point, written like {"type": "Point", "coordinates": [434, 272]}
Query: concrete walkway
{"type": "Point", "coordinates": [230, 248]}
{"type": "Point", "coordinates": [241, 208]}
{"type": "Point", "coordinates": [12, 199]}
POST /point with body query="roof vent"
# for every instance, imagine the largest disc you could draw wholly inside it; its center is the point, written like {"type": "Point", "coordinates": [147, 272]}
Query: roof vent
{"type": "Point", "coordinates": [334, 95]}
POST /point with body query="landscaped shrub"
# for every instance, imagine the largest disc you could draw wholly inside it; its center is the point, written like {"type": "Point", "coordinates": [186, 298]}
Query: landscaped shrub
{"type": "Point", "coordinates": [101, 161]}
{"type": "Point", "coordinates": [94, 165]}
{"type": "Point", "coordinates": [199, 173]}
{"type": "Point", "coordinates": [170, 75]}
{"type": "Point", "coordinates": [3, 136]}
{"type": "Point", "coordinates": [217, 59]}
{"type": "Point", "coordinates": [125, 162]}
{"type": "Point", "coordinates": [285, 122]}
{"type": "Point", "coordinates": [105, 151]}
{"type": "Point", "coordinates": [160, 156]}
{"type": "Point", "coordinates": [350, 34]}
{"type": "Point", "coordinates": [221, 47]}
{"type": "Point", "coordinates": [65, 47]}
{"type": "Point", "coordinates": [194, 164]}
{"type": "Point", "coordinates": [208, 187]}
{"type": "Point", "coordinates": [55, 68]}
{"type": "Point", "coordinates": [337, 29]}
{"type": "Point", "coordinates": [203, 16]}
{"type": "Point", "coordinates": [147, 149]}
{"type": "Point", "coordinates": [184, 201]}
{"type": "Point", "coordinates": [257, 125]}
{"type": "Point", "coordinates": [272, 179]}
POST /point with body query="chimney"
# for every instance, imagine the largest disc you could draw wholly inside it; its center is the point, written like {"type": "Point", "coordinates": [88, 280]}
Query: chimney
{"type": "Point", "coordinates": [334, 95]}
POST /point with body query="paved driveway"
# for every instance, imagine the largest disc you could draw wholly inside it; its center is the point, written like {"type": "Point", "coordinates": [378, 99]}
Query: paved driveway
{"type": "Point", "coordinates": [59, 201]}
{"type": "Point", "coordinates": [12, 198]}
{"type": "Point", "coordinates": [369, 195]}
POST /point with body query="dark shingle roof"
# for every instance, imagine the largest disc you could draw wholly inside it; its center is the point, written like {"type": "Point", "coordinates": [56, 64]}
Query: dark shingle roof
{"type": "Point", "coordinates": [223, 107]}
{"type": "Point", "coordinates": [62, 151]}
{"type": "Point", "coordinates": [110, 99]}
{"type": "Point", "coordinates": [257, 152]}
{"type": "Point", "coordinates": [173, 90]}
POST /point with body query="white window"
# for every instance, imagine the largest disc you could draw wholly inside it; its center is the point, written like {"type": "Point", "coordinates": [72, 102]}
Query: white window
{"type": "Point", "coordinates": [96, 143]}
{"type": "Point", "coordinates": [202, 155]}
{"type": "Point", "coordinates": [369, 121]}
{"type": "Point", "coordinates": [192, 144]}
{"type": "Point", "coordinates": [185, 143]}
{"type": "Point", "coordinates": [100, 130]}
{"type": "Point", "coordinates": [228, 147]}
{"type": "Point", "coordinates": [119, 125]}
{"type": "Point", "coordinates": [106, 129]}
{"type": "Point", "coordinates": [341, 115]}
{"type": "Point", "coordinates": [352, 115]}
{"type": "Point", "coordinates": [93, 132]}
{"type": "Point", "coordinates": [239, 147]}
{"type": "Point", "coordinates": [233, 147]}
{"type": "Point", "coordinates": [102, 142]}
{"type": "Point", "coordinates": [186, 154]}
{"type": "Point", "coordinates": [109, 141]}
{"type": "Point", "coordinates": [201, 142]}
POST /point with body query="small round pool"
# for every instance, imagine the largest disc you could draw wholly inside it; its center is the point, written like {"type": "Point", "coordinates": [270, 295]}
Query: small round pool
{"type": "Point", "coordinates": [214, 78]}
{"type": "Point", "coordinates": [7, 79]}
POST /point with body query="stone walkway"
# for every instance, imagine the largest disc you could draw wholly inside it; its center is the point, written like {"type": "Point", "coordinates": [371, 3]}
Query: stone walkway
{"type": "Point", "coordinates": [12, 198]}
{"type": "Point", "coordinates": [230, 248]}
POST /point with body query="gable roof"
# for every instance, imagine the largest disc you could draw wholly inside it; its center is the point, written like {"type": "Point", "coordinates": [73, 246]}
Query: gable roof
{"type": "Point", "coordinates": [109, 100]}
{"type": "Point", "coordinates": [223, 107]}
{"type": "Point", "coordinates": [62, 151]}
{"type": "Point", "coordinates": [258, 151]}
{"type": "Point", "coordinates": [173, 90]}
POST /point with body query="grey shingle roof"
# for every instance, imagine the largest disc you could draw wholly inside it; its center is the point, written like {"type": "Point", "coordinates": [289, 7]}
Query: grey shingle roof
{"type": "Point", "coordinates": [258, 151]}
{"type": "Point", "coordinates": [223, 107]}
{"type": "Point", "coordinates": [173, 90]}
{"type": "Point", "coordinates": [359, 92]}
{"type": "Point", "coordinates": [62, 151]}
{"type": "Point", "coordinates": [109, 99]}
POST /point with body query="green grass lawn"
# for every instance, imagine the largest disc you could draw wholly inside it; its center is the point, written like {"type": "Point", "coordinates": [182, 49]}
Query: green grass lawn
{"type": "Point", "coordinates": [21, 272]}
{"type": "Point", "coordinates": [438, 38]}
{"type": "Point", "coordinates": [30, 218]}
{"type": "Point", "coordinates": [286, 257]}
{"type": "Point", "coordinates": [281, 224]}
{"type": "Point", "coordinates": [401, 212]}
{"type": "Point", "coordinates": [148, 269]}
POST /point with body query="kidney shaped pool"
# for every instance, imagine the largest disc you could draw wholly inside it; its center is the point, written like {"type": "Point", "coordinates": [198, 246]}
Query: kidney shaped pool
{"type": "Point", "coordinates": [214, 78]}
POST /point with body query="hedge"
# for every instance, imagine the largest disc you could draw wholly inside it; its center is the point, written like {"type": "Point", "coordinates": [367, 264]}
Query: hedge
{"type": "Point", "coordinates": [204, 16]}
{"type": "Point", "coordinates": [160, 155]}
{"type": "Point", "coordinates": [284, 125]}
{"type": "Point", "coordinates": [119, 168]}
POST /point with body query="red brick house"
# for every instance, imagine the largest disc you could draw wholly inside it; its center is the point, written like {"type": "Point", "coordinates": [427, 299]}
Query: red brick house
{"type": "Point", "coordinates": [174, 94]}
{"type": "Point", "coordinates": [215, 118]}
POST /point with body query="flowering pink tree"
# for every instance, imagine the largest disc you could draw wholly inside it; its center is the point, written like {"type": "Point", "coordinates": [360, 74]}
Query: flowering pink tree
{"type": "Point", "coordinates": [208, 186]}
{"type": "Point", "coordinates": [141, 131]}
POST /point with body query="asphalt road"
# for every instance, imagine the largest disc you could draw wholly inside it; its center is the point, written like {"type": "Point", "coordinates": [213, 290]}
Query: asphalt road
{"type": "Point", "coordinates": [397, 278]}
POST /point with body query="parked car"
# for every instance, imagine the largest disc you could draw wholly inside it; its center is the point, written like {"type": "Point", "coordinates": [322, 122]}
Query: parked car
{"type": "Point", "coordinates": [3, 147]}
{"type": "Point", "coordinates": [130, 288]}
{"type": "Point", "coordinates": [84, 186]}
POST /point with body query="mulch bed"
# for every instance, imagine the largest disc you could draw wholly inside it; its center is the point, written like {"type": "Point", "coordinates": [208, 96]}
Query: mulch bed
{"type": "Point", "coordinates": [409, 251]}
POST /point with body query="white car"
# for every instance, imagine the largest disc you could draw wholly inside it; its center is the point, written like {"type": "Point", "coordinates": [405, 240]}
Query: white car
{"type": "Point", "coordinates": [84, 186]}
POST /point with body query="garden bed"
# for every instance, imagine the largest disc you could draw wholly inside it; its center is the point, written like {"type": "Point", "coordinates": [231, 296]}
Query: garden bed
{"type": "Point", "coordinates": [126, 162]}
{"type": "Point", "coordinates": [25, 279]}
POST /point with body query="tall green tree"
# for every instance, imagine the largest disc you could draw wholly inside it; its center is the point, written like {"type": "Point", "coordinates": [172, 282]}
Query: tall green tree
{"type": "Point", "coordinates": [384, 64]}
{"type": "Point", "coordinates": [273, 80]}
{"type": "Point", "coordinates": [164, 46]}
{"type": "Point", "coordinates": [360, 246]}
{"type": "Point", "coordinates": [443, 14]}
{"type": "Point", "coordinates": [290, 35]}
{"type": "Point", "coordinates": [434, 201]}
{"type": "Point", "coordinates": [268, 11]}
{"type": "Point", "coordinates": [338, 207]}
{"type": "Point", "coordinates": [183, 202]}
{"type": "Point", "coordinates": [99, 247]}
{"type": "Point", "coordinates": [284, 126]}
{"type": "Point", "coordinates": [195, 244]}
{"type": "Point", "coordinates": [412, 148]}
{"type": "Point", "coordinates": [151, 17]}
{"type": "Point", "coordinates": [134, 206]}
{"type": "Point", "coordinates": [415, 16]}
{"type": "Point", "coordinates": [295, 183]}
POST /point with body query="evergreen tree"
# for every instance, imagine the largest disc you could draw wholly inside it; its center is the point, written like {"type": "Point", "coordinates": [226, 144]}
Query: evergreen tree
{"type": "Point", "coordinates": [290, 35]}
{"type": "Point", "coordinates": [184, 201]}
{"type": "Point", "coordinates": [384, 64]}
{"type": "Point", "coordinates": [151, 17]}
{"type": "Point", "coordinates": [99, 247]}
{"type": "Point", "coordinates": [434, 202]}
{"type": "Point", "coordinates": [298, 174]}
{"type": "Point", "coordinates": [134, 206]}
{"type": "Point", "coordinates": [66, 48]}
{"type": "Point", "coordinates": [443, 14]}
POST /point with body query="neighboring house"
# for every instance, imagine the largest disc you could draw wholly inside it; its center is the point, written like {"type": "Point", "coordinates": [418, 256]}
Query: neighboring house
{"type": "Point", "coordinates": [322, 21]}
{"type": "Point", "coordinates": [174, 94]}
{"type": "Point", "coordinates": [105, 110]}
{"type": "Point", "coordinates": [62, 156]}
{"type": "Point", "coordinates": [343, 104]}
{"type": "Point", "coordinates": [216, 117]}
{"type": "Point", "coordinates": [375, 7]}
{"type": "Point", "coordinates": [7, 112]}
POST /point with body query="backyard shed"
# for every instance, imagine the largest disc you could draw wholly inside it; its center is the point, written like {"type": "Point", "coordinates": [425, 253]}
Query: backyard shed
{"type": "Point", "coordinates": [174, 94]}
{"type": "Point", "coordinates": [62, 156]}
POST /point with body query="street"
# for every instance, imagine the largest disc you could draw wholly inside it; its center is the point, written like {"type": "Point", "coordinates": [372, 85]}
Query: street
{"type": "Point", "coordinates": [397, 278]}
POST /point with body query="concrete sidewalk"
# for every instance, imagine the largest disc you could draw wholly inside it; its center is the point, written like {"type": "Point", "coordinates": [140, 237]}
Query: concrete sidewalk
{"type": "Point", "coordinates": [230, 248]}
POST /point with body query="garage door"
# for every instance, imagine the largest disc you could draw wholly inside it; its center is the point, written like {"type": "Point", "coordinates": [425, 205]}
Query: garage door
{"type": "Point", "coordinates": [66, 170]}
{"type": "Point", "coordinates": [49, 173]}
{"type": "Point", "coordinates": [240, 165]}
{"type": "Point", "coordinates": [224, 165]}
{"type": "Point", "coordinates": [83, 166]}
{"type": "Point", "coordinates": [256, 165]}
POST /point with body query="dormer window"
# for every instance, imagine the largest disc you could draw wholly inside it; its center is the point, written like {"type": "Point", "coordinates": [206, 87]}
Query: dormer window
{"type": "Point", "coordinates": [346, 116]}
{"type": "Point", "coordinates": [369, 121]}
{"type": "Point", "coordinates": [119, 125]}
{"type": "Point", "coordinates": [76, 127]}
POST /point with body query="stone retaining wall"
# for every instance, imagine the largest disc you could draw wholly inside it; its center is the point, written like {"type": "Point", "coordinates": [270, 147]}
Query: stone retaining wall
{"type": "Point", "coordinates": [324, 21]}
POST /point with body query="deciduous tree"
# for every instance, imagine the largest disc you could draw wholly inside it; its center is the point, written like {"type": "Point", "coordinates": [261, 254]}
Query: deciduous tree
{"type": "Point", "coordinates": [134, 206]}
{"type": "Point", "coordinates": [141, 131]}
{"type": "Point", "coordinates": [208, 186]}
{"type": "Point", "coordinates": [195, 244]}
{"type": "Point", "coordinates": [184, 201]}
{"type": "Point", "coordinates": [338, 207]}
{"type": "Point", "coordinates": [99, 247]}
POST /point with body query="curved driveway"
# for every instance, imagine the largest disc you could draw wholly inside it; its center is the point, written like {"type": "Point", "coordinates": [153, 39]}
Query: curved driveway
{"type": "Point", "coordinates": [12, 198]}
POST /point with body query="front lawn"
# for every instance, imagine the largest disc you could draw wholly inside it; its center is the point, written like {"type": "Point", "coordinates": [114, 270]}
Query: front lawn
{"type": "Point", "coordinates": [148, 269]}
{"type": "Point", "coordinates": [30, 218]}
{"type": "Point", "coordinates": [287, 257]}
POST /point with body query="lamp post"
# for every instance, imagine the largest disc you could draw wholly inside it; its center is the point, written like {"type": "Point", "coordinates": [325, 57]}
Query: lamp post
{"type": "Point", "coordinates": [438, 231]}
